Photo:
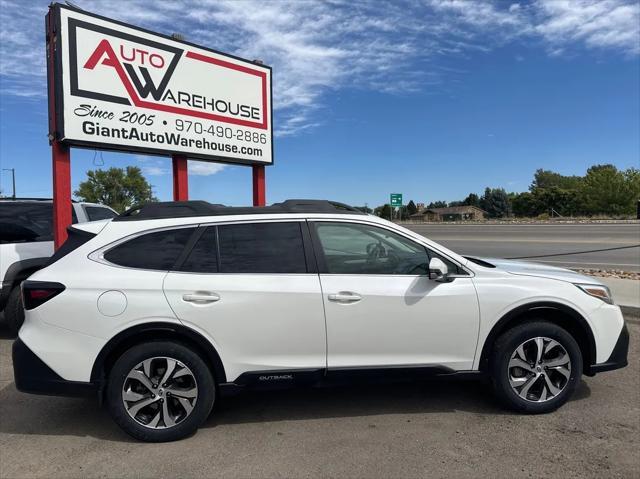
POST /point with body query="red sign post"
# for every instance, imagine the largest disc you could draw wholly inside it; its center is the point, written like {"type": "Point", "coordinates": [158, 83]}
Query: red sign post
{"type": "Point", "coordinates": [60, 154]}
{"type": "Point", "coordinates": [180, 178]}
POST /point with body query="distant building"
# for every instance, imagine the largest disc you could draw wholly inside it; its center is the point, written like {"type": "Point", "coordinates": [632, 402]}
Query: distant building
{"type": "Point", "coordinates": [420, 206]}
{"type": "Point", "coordinates": [452, 213]}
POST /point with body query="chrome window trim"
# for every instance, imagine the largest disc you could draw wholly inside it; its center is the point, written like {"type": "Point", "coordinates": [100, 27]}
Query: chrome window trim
{"type": "Point", "coordinates": [98, 254]}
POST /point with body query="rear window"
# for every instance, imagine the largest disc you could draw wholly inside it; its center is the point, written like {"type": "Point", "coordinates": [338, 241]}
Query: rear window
{"type": "Point", "coordinates": [95, 213]}
{"type": "Point", "coordinates": [158, 251]}
{"type": "Point", "coordinates": [261, 248]}
{"type": "Point", "coordinates": [25, 222]}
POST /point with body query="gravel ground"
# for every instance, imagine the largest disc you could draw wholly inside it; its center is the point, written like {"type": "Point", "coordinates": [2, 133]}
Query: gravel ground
{"type": "Point", "coordinates": [434, 429]}
{"type": "Point", "coordinates": [611, 273]}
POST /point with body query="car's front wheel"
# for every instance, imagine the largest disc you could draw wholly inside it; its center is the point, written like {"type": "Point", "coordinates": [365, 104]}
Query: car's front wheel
{"type": "Point", "coordinates": [535, 367]}
{"type": "Point", "coordinates": [160, 391]}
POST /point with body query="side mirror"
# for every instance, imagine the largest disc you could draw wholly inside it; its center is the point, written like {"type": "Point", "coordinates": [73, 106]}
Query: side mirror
{"type": "Point", "coordinates": [438, 270]}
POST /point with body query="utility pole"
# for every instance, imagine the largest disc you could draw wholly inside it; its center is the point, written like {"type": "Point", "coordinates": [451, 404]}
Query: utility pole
{"type": "Point", "coordinates": [13, 179]}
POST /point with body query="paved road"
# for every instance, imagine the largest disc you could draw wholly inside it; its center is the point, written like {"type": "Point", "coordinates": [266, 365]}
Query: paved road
{"type": "Point", "coordinates": [506, 241]}
{"type": "Point", "coordinates": [432, 429]}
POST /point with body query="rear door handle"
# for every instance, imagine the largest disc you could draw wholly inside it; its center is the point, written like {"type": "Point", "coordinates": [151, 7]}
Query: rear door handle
{"type": "Point", "coordinates": [345, 297]}
{"type": "Point", "coordinates": [200, 297]}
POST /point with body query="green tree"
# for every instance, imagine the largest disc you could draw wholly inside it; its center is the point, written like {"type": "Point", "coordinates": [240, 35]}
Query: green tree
{"type": "Point", "coordinates": [495, 202]}
{"type": "Point", "coordinates": [555, 200]}
{"type": "Point", "coordinates": [412, 209]}
{"type": "Point", "coordinates": [118, 188]}
{"type": "Point", "coordinates": [524, 204]}
{"type": "Point", "coordinates": [383, 211]}
{"type": "Point", "coordinates": [437, 204]}
{"type": "Point", "coordinates": [404, 212]}
{"type": "Point", "coordinates": [548, 179]}
{"type": "Point", "coordinates": [632, 179]}
{"type": "Point", "coordinates": [606, 190]}
{"type": "Point", "coordinates": [472, 200]}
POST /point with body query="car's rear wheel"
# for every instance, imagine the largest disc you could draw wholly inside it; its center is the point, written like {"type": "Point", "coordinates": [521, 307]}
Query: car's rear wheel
{"type": "Point", "coordinates": [14, 312]}
{"type": "Point", "coordinates": [535, 367]}
{"type": "Point", "coordinates": [160, 391]}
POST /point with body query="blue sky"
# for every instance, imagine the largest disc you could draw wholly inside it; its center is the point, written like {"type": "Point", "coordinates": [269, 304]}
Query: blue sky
{"type": "Point", "coordinates": [433, 98]}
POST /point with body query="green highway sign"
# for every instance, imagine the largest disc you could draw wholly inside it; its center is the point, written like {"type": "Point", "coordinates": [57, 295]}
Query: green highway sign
{"type": "Point", "coordinates": [396, 199]}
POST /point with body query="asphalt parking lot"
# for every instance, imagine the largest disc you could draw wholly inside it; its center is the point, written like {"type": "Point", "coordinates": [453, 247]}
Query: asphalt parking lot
{"type": "Point", "coordinates": [431, 429]}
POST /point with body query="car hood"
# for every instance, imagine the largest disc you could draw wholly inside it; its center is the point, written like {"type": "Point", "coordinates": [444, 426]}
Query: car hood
{"type": "Point", "coordinates": [527, 268]}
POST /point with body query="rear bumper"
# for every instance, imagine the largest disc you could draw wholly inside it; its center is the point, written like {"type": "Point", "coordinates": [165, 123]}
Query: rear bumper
{"type": "Point", "coordinates": [32, 375]}
{"type": "Point", "coordinates": [618, 358]}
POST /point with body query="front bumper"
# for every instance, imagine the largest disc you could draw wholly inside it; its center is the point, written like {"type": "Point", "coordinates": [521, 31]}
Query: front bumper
{"type": "Point", "coordinates": [618, 358]}
{"type": "Point", "coordinates": [32, 375]}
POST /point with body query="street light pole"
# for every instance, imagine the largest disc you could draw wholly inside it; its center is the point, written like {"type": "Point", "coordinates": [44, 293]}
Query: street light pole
{"type": "Point", "coordinates": [13, 179]}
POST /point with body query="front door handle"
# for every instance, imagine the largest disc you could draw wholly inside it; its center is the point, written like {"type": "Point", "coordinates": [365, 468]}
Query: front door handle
{"type": "Point", "coordinates": [201, 297]}
{"type": "Point", "coordinates": [345, 297]}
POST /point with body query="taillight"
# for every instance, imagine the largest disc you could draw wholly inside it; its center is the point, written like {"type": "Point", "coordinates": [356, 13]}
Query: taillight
{"type": "Point", "coordinates": [35, 293]}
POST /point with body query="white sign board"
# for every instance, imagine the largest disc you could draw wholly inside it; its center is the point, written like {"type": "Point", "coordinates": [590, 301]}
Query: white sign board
{"type": "Point", "coordinates": [124, 88]}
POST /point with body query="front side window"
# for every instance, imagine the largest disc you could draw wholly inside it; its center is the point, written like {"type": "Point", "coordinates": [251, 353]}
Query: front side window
{"type": "Point", "coordinates": [362, 249]}
{"type": "Point", "coordinates": [261, 248]}
{"type": "Point", "coordinates": [159, 250]}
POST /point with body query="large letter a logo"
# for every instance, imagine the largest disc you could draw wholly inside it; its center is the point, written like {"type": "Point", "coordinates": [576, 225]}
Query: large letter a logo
{"type": "Point", "coordinates": [105, 50]}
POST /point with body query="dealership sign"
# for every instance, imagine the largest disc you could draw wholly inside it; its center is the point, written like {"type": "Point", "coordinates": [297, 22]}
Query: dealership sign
{"type": "Point", "coordinates": [124, 88]}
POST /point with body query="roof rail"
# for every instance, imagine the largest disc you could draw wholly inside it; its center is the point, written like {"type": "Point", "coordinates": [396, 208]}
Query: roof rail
{"type": "Point", "coordinates": [181, 209]}
{"type": "Point", "coordinates": [315, 206]}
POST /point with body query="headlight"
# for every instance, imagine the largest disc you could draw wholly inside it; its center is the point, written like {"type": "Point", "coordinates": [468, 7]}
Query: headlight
{"type": "Point", "coordinates": [598, 291]}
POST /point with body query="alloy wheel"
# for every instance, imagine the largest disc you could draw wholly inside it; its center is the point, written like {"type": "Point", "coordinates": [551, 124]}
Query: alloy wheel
{"type": "Point", "coordinates": [539, 369]}
{"type": "Point", "coordinates": [160, 392]}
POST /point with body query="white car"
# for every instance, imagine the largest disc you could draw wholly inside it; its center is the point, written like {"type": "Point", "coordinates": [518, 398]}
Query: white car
{"type": "Point", "coordinates": [162, 309]}
{"type": "Point", "coordinates": [26, 243]}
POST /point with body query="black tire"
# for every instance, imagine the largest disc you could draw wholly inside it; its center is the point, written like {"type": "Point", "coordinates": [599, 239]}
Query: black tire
{"type": "Point", "coordinates": [501, 355]}
{"type": "Point", "coordinates": [14, 312]}
{"type": "Point", "coordinates": [141, 352]}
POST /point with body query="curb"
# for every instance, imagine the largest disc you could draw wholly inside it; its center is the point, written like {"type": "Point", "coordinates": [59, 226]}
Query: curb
{"type": "Point", "coordinates": [630, 310]}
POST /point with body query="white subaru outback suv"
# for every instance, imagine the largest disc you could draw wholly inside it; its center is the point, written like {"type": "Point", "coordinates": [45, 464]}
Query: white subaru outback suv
{"type": "Point", "coordinates": [161, 310]}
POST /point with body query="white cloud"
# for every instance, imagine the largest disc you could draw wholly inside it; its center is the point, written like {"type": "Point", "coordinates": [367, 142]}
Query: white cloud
{"type": "Point", "coordinates": [202, 168]}
{"type": "Point", "coordinates": [601, 24]}
{"type": "Point", "coordinates": [154, 165]}
{"type": "Point", "coordinates": [480, 13]}
{"type": "Point", "coordinates": [320, 48]}
{"type": "Point", "coordinates": [154, 171]}
{"type": "Point", "coordinates": [160, 166]}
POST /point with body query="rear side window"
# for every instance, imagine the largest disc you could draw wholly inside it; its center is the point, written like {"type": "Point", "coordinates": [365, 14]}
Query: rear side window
{"type": "Point", "coordinates": [25, 222]}
{"type": "Point", "coordinates": [204, 255]}
{"type": "Point", "coordinates": [95, 213]}
{"type": "Point", "coordinates": [261, 248]}
{"type": "Point", "coordinates": [158, 250]}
